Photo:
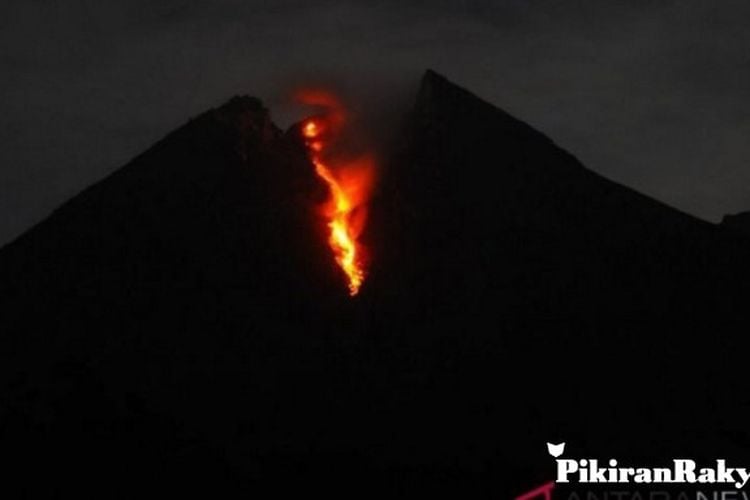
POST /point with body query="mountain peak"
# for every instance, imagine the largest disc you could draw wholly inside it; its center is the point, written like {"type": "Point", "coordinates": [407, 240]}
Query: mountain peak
{"type": "Point", "coordinates": [250, 117]}
{"type": "Point", "coordinates": [442, 103]}
{"type": "Point", "coordinates": [243, 102]}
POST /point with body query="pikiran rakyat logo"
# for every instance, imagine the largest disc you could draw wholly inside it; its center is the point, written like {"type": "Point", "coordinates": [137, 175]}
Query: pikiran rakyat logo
{"type": "Point", "coordinates": [590, 471]}
{"type": "Point", "coordinates": [682, 471]}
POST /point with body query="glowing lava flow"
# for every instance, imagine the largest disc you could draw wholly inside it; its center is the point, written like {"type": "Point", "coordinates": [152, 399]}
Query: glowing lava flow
{"type": "Point", "coordinates": [346, 198]}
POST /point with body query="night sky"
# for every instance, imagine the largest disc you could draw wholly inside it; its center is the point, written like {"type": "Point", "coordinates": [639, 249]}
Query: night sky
{"type": "Point", "coordinates": [655, 95]}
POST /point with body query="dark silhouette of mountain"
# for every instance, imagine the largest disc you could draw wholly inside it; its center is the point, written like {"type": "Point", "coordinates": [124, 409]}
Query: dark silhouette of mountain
{"type": "Point", "coordinates": [737, 222]}
{"type": "Point", "coordinates": [181, 328]}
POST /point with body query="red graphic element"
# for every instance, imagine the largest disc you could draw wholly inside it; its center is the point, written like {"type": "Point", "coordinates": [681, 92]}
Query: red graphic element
{"type": "Point", "coordinates": [544, 491]}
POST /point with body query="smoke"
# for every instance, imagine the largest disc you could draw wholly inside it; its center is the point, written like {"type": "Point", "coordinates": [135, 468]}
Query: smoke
{"type": "Point", "coordinates": [373, 110]}
{"type": "Point", "coordinates": [365, 122]}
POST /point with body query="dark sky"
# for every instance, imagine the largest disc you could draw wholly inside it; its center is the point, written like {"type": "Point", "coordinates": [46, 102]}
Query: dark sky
{"type": "Point", "coordinates": [654, 94]}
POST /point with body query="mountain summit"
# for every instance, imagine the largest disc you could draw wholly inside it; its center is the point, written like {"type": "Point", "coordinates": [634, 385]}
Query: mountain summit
{"type": "Point", "coordinates": [181, 327]}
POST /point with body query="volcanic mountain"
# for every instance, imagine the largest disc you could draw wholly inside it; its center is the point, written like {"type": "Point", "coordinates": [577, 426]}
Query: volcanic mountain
{"type": "Point", "coordinates": [181, 327]}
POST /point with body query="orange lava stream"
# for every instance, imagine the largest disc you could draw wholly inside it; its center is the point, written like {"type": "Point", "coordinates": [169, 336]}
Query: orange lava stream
{"type": "Point", "coordinates": [343, 233]}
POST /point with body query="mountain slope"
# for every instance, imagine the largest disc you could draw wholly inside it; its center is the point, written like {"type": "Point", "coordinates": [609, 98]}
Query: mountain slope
{"type": "Point", "coordinates": [146, 303]}
{"type": "Point", "coordinates": [556, 302]}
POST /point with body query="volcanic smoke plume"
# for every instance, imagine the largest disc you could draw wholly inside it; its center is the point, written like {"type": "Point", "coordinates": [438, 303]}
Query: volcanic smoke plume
{"type": "Point", "coordinates": [349, 178]}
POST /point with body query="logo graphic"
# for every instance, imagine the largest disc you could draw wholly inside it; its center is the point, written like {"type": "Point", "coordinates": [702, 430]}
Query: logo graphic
{"type": "Point", "coordinates": [556, 449]}
{"type": "Point", "coordinates": [686, 474]}
{"type": "Point", "coordinates": [544, 491]}
{"type": "Point", "coordinates": [681, 471]}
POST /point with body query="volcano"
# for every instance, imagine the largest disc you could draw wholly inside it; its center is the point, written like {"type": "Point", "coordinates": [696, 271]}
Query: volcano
{"type": "Point", "coordinates": [180, 327]}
